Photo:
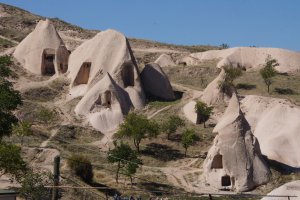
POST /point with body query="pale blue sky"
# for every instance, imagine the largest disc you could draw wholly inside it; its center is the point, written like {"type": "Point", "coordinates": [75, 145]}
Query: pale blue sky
{"type": "Point", "coordinates": [264, 23]}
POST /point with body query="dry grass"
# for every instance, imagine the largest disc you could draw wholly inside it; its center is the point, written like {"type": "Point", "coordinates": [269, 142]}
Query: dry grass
{"type": "Point", "coordinates": [252, 83]}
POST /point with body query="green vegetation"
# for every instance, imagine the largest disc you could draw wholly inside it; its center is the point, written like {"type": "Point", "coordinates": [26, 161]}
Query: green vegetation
{"type": "Point", "coordinates": [188, 138]}
{"type": "Point", "coordinates": [171, 124]}
{"type": "Point", "coordinates": [5, 44]}
{"type": "Point", "coordinates": [269, 71]}
{"type": "Point", "coordinates": [203, 112]}
{"type": "Point", "coordinates": [231, 73]}
{"type": "Point", "coordinates": [11, 162]}
{"type": "Point", "coordinates": [10, 99]}
{"type": "Point", "coordinates": [137, 127]}
{"type": "Point", "coordinates": [22, 129]}
{"type": "Point", "coordinates": [126, 159]}
{"type": "Point", "coordinates": [82, 167]}
{"type": "Point", "coordinates": [196, 77]}
{"type": "Point", "coordinates": [46, 116]}
{"type": "Point", "coordinates": [33, 186]}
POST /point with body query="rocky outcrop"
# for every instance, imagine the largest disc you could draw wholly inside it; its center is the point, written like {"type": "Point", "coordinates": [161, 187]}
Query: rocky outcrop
{"type": "Point", "coordinates": [235, 161]}
{"type": "Point", "coordinates": [156, 82]}
{"type": "Point", "coordinates": [43, 51]}
{"type": "Point", "coordinates": [164, 60]}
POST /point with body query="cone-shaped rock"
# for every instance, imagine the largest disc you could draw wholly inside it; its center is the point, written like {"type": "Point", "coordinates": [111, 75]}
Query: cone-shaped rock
{"type": "Point", "coordinates": [235, 161]}
{"type": "Point", "coordinates": [156, 82]}
{"type": "Point", "coordinates": [212, 94]}
{"type": "Point", "coordinates": [43, 51]}
{"type": "Point", "coordinates": [108, 52]}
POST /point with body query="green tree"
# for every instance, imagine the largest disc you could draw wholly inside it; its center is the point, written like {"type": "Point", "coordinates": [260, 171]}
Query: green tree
{"type": "Point", "coordinates": [10, 99]}
{"type": "Point", "coordinates": [203, 112]}
{"type": "Point", "coordinates": [269, 71]}
{"type": "Point", "coordinates": [224, 46]}
{"type": "Point", "coordinates": [125, 158]}
{"type": "Point", "coordinates": [171, 124]}
{"type": "Point", "coordinates": [137, 127]}
{"type": "Point", "coordinates": [11, 162]}
{"type": "Point", "coordinates": [22, 129]}
{"type": "Point", "coordinates": [82, 167]}
{"type": "Point", "coordinates": [188, 138]}
{"type": "Point", "coordinates": [33, 186]}
{"type": "Point", "coordinates": [231, 73]}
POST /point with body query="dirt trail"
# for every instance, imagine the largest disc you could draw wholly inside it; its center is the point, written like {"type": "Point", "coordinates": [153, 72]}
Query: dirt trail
{"type": "Point", "coordinates": [6, 38]}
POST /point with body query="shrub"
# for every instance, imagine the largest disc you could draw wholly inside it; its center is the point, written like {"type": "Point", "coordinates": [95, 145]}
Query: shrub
{"type": "Point", "coordinates": [82, 167]}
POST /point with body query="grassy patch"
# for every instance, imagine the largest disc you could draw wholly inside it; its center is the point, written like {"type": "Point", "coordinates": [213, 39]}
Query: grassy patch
{"type": "Point", "coordinates": [284, 86]}
{"type": "Point", "coordinates": [5, 44]}
{"type": "Point", "coordinates": [42, 94]}
{"type": "Point", "coordinates": [197, 77]}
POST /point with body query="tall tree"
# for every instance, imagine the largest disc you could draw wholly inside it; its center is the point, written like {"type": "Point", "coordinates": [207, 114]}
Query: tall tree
{"type": "Point", "coordinates": [137, 127]}
{"type": "Point", "coordinates": [188, 138]}
{"type": "Point", "coordinates": [11, 162]}
{"type": "Point", "coordinates": [10, 99]}
{"type": "Point", "coordinates": [203, 112]}
{"type": "Point", "coordinates": [269, 71]}
{"type": "Point", "coordinates": [125, 158]}
{"type": "Point", "coordinates": [171, 124]}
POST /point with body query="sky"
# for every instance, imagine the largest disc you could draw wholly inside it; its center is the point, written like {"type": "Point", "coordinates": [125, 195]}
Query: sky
{"type": "Point", "coordinates": [262, 23]}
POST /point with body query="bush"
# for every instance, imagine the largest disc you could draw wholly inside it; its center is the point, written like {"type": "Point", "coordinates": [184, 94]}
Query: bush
{"type": "Point", "coordinates": [46, 115]}
{"type": "Point", "coordinates": [82, 167]}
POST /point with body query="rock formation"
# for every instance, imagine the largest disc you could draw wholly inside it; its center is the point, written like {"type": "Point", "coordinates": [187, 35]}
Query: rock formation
{"type": "Point", "coordinates": [164, 60]}
{"type": "Point", "coordinates": [104, 71]}
{"type": "Point", "coordinates": [43, 51]}
{"type": "Point", "coordinates": [156, 82]}
{"type": "Point", "coordinates": [249, 58]}
{"type": "Point", "coordinates": [212, 94]}
{"type": "Point", "coordinates": [288, 189]}
{"type": "Point", "coordinates": [235, 161]}
{"type": "Point", "coordinates": [276, 124]}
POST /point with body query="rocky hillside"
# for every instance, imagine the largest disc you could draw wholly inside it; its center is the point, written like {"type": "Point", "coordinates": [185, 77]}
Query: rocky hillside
{"type": "Point", "coordinates": [16, 23]}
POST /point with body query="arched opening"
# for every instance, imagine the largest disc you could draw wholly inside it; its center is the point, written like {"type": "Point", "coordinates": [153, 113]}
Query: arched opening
{"type": "Point", "coordinates": [48, 62]}
{"type": "Point", "coordinates": [127, 74]}
{"type": "Point", "coordinates": [83, 74]}
{"type": "Point", "coordinates": [225, 180]}
{"type": "Point", "coordinates": [217, 162]}
{"type": "Point", "coordinates": [98, 101]}
{"type": "Point", "coordinates": [107, 99]}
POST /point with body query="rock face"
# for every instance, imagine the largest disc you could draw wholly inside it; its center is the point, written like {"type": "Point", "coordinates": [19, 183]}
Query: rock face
{"type": "Point", "coordinates": [164, 60]}
{"type": "Point", "coordinates": [288, 189]}
{"type": "Point", "coordinates": [212, 94]}
{"type": "Point", "coordinates": [249, 58]}
{"type": "Point", "coordinates": [103, 70]}
{"type": "Point", "coordinates": [156, 82]}
{"type": "Point", "coordinates": [235, 161]}
{"type": "Point", "coordinates": [276, 124]}
{"type": "Point", "coordinates": [43, 51]}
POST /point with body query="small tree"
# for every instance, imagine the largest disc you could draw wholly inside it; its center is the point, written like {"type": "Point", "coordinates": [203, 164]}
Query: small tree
{"type": "Point", "coordinates": [224, 46]}
{"type": "Point", "coordinates": [231, 73]}
{"type": "Point", "coordinates": [203, 112]}
{"type": "Point", "coordinates": [188, 138]}
{"type": "Point", "coordinates": [126, 159]}
{"type": "Point", "coordinates": [137, 127]}
{"type": "Point", "coordinates": [11, 162]}
{"type": "Point", "coordinates": [22, 129]}
{"type": "Point", "coordinates": [269, 71]}
{"type": "Point", "coordinates": [82, 167]}
{"type": "Point", "coordinates": [33, 186]}
{"type": "Point", "coordinates": [171, 125]}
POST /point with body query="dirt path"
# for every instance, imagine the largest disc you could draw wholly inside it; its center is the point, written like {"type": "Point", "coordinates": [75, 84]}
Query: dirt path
{"type": "Point", "coordinates": [45, 143]}
{"type": "Point", "coordinates": [6, 38]}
